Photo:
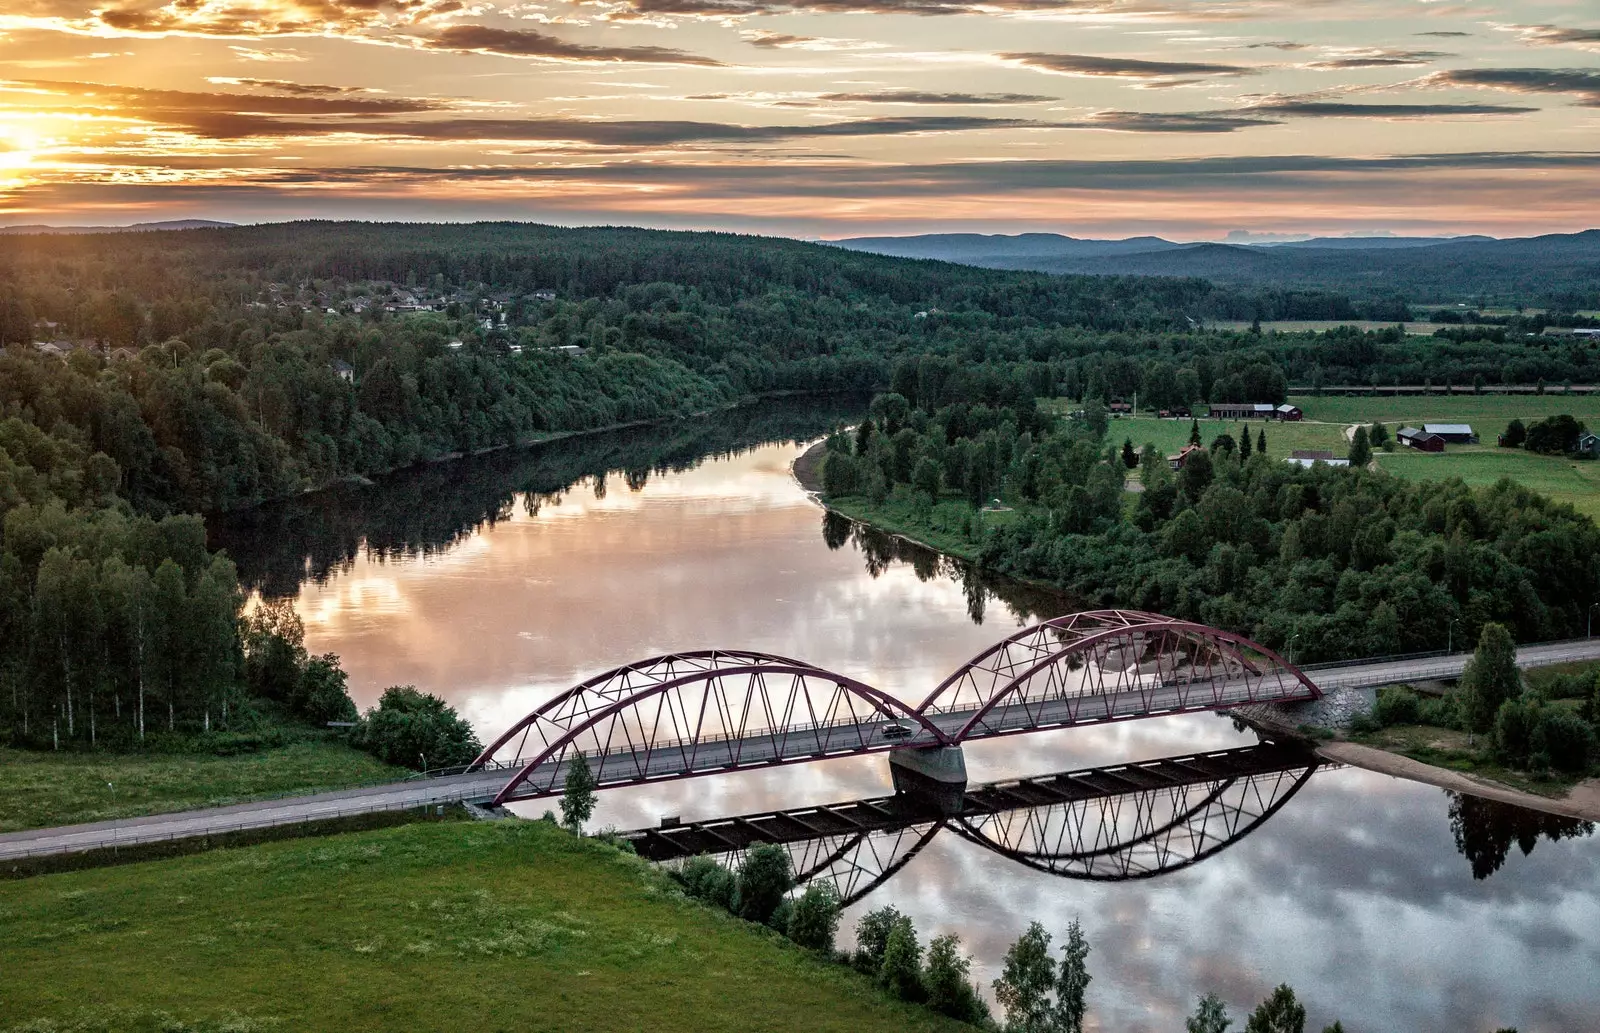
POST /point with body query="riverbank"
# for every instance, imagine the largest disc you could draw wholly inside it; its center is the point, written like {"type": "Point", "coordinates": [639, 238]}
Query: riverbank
{"type": "Point", "coordinates": [494, 925]}
{"type": "Point", "coordinates": [1581, 801]}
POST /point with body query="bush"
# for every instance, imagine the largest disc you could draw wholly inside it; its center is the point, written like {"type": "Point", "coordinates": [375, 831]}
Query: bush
{"type": "Point", "coordinates": [1364, 723]}
{"type": "Point", "coordinates": [1565, 738]}
{"type": "Point", "coordinates": [901, 973]}
{"type": "Point", "coordinates": [764, 878]}
{"type": "Point", "coordinates": [1439, 711]}
{"type": "Point", "coordinates": [322, 694]}
{"type": "Point", "coordinates": [1397, 706]}
{"type": "Point", "coordinates": [947, 982]}
{"type": "Point", "coordinates": [814, 919]}
{"type": "Point", "coordinates": [416, 730]}
{"type": "Point", "coordinates": [1514, 726]}
{"type": "Point", "coordinates": [872, 938]}
{"type": "Point", "coordinates": [705, 879]}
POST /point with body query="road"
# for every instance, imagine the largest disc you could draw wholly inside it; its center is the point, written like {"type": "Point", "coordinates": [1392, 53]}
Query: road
{"type": "Point", "coordinates": [707, 757]}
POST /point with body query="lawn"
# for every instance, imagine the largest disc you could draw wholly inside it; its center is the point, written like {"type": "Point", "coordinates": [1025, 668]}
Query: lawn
{"type": "Point", "coordinates": [1282, 438]}
{"type": "Point", "coordinates": [1560, 478]}
{"type": "Point", "coordinates": [487, 926]}
{"type": "Point", "coordinates": [1488, 414]}
{"type": "Point", "coordinates": [41, 789]}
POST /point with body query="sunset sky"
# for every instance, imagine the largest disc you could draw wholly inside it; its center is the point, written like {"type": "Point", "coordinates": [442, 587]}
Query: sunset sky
{"type": "Point", "coordinates": [1188, 118]}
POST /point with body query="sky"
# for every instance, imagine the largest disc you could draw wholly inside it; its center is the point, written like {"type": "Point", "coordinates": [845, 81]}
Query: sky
{"type": "Point", "coordinates": [1193, 119]}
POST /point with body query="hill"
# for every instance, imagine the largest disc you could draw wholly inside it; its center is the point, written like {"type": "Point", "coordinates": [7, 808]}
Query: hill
{"type": "Point", "coordinates": [1556, 270]}
{"type": "Point", "coordinates": [138, 227]}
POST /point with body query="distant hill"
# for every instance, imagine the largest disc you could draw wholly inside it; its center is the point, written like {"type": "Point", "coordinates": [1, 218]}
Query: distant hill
{"type": "Point", "coordinates": [1561, 269]}
{"type": "Point", "coordinates": [138, 227]}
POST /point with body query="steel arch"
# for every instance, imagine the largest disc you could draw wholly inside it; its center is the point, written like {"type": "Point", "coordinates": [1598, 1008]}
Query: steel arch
{"type": "Point", "coordinates": [1131, 665]}
{"type": "Point", "coordinates": [723, 719]}
{"type": "Point", "coordinates": [1152, 833]}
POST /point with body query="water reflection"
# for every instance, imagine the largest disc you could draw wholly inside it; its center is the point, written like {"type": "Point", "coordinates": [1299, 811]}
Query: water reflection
{"type": "Point", "coordinates": [1485, 829]}
{"type": "Point", "coordinates": [1109, 824]}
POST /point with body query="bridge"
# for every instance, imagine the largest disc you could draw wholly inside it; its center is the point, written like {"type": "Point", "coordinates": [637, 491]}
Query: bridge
{"type": "Point", "coordinates": [714, 711]}
{"type": "Point", "coordinates": [687, 714]}
{"type": "Point", "coordinates": [1108, 824]}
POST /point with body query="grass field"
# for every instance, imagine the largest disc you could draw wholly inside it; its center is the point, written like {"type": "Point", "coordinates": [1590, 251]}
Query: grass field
{"type": "Point", "coordinates": [1282, 438]}
{"type": "Point", "coordinates": [484, 926]}
{"type": "Point", "coordinates": [1562, 479]}
{"type": "Point", "coordinates": [39, 789]}
{"type": "Point", "coordinates": [1488, 414]}
{"type": "Point", "coordinates": [1321, 325]}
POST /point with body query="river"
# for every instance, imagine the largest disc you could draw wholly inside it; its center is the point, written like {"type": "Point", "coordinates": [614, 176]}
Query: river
{"type": "Point", "coordinates": [499, 581]}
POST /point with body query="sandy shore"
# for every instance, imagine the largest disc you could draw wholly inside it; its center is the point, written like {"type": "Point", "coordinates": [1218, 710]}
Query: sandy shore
{"type": "Point", "coordinates": [1581, 801]}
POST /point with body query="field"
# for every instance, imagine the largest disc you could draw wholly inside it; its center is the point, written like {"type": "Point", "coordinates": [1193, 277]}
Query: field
{"type": "Point", "coordinates": [485, 926]}
{"type": "Point", "coordinates": [1289, 326]}
{"type": "Point", "coordinates": [40, 789]}
{"type": "Point", "coordinates": [1562, 479]}
{"type": "Point", "coordinates": [1282, 438]}
{"type": "Point", "coordinates": [1488, 414]}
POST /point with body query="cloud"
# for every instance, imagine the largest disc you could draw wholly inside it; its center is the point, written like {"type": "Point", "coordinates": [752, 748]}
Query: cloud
{"type": "Point", "coordinates": [785, 41]}
{"type": "Point", "coordinates": [1171, 122]}
{"type": "Point", "coordinates": [1120, 67]}
{"type": "Point", "coordinates": [286, 86]}
{"type": "Point", "coordinates": [918, 97]}
{"type": "Point", "coordinates": [181, 106]}
{"type": "Point", "coordinates": [527, 43]}
{"type": "Point", "coordinates": [1444, 34]}
{"type": "Point", "coordinates": [1582, 83]}
{"type": "Point", "coordinates": [1379, 58]}
{"type": "Point", "coordinates": [1556, 36]}
{"type": "Point", "coordinates": [1342, 109]}
{"type": "Point", "coordinates": [268, 56]}
{"type": "Point", "coordinates": [1280, 44]}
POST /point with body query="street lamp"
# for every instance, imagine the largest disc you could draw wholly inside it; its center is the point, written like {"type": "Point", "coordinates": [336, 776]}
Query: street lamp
{"type": "Point", "coordinates": [1590, 632]}
{"type": "Point", "coordinates": [1450, 635]}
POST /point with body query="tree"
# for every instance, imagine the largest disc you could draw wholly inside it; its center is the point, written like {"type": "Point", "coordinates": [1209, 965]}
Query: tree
{"type": "Point", "coordinates": [1378, 436]}
{"type": "Point", "coordinates": [764, 878]}
{"type": "Point", "coordinates": [1194, 432]}
{"type": "Point", "coordinates": [1491, 677]}
{"type": "Point", "coordinates": [1072, 981]}
{"type": "Point", "coordinates": [1024, 986]}
{"type": "Point", "coordinates": [872, 937]}
{"type": "Point", "coordinates": [947, 981]}
{"type": "Point", "coordinates": [815, 919]}
{"type": "Point", "coordinates": [901, 972]}
{"type": "Point", "coordinates": [1279, 1013]}
{"type": "Point", "coordinates": [1196, 474]}
{"type": "Point", "coordinates": [417, 730]}
{"type": "Point", "coordinates": [1245, 444]}
{"type": "Point", "coordinates": [1130, 458]}
{"type": "Point", "coordinates": [1360, 449]}
{"type": "Point", "coordinates": [1210, 1016]}
{"type": "Point", "coordinates": [323, 694]}
{"type": "Point", "coordinates": [577, 795]}
{"type": "Point", "coordinates": [1516, 433]}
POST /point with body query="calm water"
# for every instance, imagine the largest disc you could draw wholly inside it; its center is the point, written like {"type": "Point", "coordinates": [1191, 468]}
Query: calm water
{"type": "Point", "coordinates": [499, 582]}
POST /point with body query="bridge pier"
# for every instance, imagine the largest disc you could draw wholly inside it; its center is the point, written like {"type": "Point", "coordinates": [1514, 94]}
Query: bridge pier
{"type": "Point", "coordinates": [932, 776]}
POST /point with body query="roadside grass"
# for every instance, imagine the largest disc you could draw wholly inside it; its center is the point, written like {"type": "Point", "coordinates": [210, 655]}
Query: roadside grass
{"type": "Point", "coordinates": [1488, 414]}
{"type": "Point", "coordinates": [41, 789]}
{"type": "Point", "coordinates": [492, 926]}
{"type": "Point", "coordinates": [1453, 750]}
{"type": "Point", "coordinates": [1563, 479]}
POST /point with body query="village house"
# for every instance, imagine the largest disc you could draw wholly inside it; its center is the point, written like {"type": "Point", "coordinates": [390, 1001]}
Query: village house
{"type": "Point", "coordinates": [1419, 439]}
{"type": "Point", "coordinates": [1452, 433]}
{"type": "Point", "coordinates": [1176, 461]}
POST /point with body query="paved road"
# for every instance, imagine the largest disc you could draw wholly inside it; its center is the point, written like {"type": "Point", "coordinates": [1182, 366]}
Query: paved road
{"type": "Point", "coordinates": [754, 752]}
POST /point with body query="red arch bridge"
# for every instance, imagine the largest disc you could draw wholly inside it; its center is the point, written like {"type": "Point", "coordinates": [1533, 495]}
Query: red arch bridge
{"type": "Point", "coordinates": [714, 711]}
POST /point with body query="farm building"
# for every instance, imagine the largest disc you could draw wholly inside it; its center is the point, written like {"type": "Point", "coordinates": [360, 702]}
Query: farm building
{"type": "Point", "coordinates": [1420, 440]}
{"type": "Point", "coordinates": [1288, 412]}
{"type": "Point", "coordinates": [1243, 411]}
{"type": "Point", "coordinates": [1589, 443]}
{"type": "Point", "coordinates": [1177, 461]}
{"type": "Point", "coordinates": [1452, 433]}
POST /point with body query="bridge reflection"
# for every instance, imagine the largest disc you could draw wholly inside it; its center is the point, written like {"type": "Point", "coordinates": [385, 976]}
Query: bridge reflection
{"type": "Point", "coordinates": [1124, 822]}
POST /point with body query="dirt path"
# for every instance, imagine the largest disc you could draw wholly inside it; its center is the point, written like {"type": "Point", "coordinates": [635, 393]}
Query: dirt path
{"type": "Point", "coordinates": [1582, 801]}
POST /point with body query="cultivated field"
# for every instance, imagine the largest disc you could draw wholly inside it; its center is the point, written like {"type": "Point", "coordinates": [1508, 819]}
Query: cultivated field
{"type": "Point", "coordinates": [1562, 479]}
{"type": "Point", "coordinates": [1488, 414]}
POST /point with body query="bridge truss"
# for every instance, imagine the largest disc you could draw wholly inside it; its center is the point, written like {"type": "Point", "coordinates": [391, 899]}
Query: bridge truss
{"type": "Point", "coordinates": [694, 713]}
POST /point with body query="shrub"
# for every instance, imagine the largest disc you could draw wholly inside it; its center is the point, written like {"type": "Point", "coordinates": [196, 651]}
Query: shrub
{"type": "Point", "coordinates": [1565, 738]}
{"type": "Point", "coordinates": [946, 980]}
{"type": "Point", "coordinates": [872, 938]}
{"type": "Point", "coordinates": [322, 694]}
{"type": "Point", "coordinates": [705, 879]}
{"type": "Point", "coordinates": [1439, 711]}
{"type": "Point", "coordinates": [814, 919]}
{"type": "Point", "coordinates": [1397, 706]}
{"type": "Point", "coordinates": [416, 729]}
{"type": "Point", "coordinates": [1514, 726]}
{"type": "Point", "coordinates": [764, 878]}
{"type": "Point", "coordinates": [901, 973]}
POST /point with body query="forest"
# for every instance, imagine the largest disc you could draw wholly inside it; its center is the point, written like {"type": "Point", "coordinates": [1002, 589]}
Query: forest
{"type": "Point", "coordinates": [1319, 563]}
{"type": "Point", "coordinates": [150, 377]}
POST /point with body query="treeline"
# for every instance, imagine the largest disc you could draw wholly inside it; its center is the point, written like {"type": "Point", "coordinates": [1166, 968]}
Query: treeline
{"type": "Point", "coordinates": [1317, 562]}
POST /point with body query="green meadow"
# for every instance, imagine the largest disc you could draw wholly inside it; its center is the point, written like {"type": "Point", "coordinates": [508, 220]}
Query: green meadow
{"type": "Point", "coordinates": [489, 926]}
